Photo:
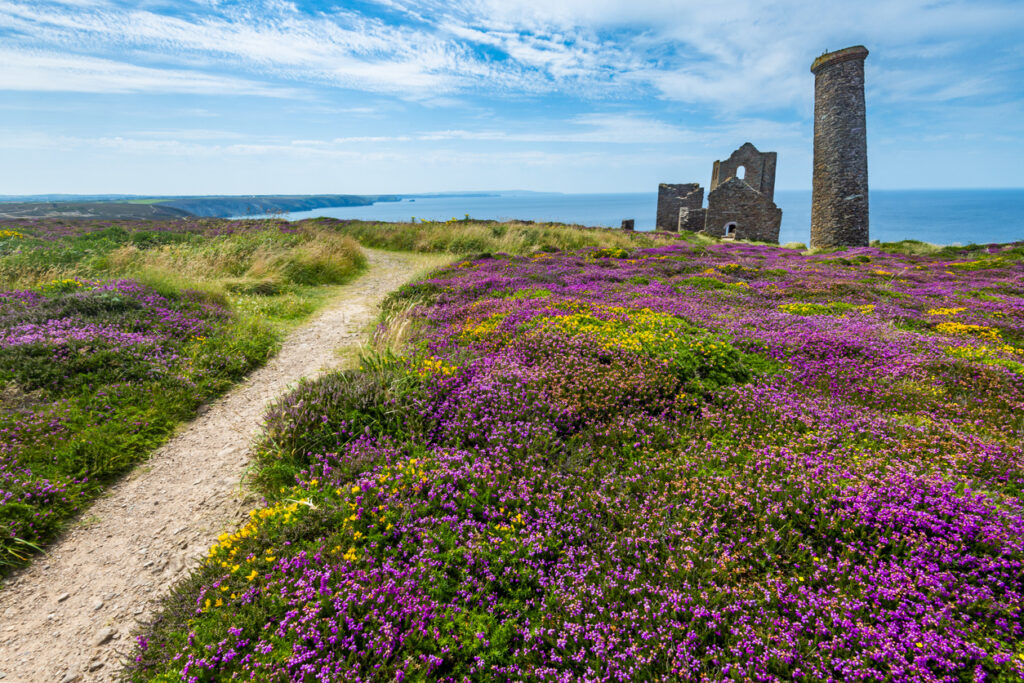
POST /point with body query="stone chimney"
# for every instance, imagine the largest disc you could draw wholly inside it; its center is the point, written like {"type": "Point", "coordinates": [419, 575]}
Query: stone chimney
{"type": "Point", "coordinates": [839, 210]}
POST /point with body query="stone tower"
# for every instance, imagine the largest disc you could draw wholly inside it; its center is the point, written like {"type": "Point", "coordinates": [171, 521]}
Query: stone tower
{"type": "Point", "coordinates": [839, 211]}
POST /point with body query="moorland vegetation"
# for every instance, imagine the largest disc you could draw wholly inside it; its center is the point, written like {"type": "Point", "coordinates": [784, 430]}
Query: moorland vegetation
{"type": "Point", "coordinates": [112, 335]}
{"type": "Point", "coordinates": [114, 332]}
{"type": "Point", "coordinates": [469, 236]}
{"type": "Point", "coordinates": [640, 462]}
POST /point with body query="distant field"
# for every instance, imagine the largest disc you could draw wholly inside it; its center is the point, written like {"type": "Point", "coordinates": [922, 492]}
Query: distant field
{"type": "Point", "coordinates": [89, 211]}
{"type": "Point", "coordinates": [470, 236]}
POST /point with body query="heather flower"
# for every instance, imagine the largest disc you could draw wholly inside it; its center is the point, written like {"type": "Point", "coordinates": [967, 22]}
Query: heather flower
{"type": "Point", "coordinates": [732, 462]}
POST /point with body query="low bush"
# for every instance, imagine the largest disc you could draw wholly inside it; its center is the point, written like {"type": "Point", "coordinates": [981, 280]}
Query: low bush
{"type": "Point", "coordinates": [98, 374]}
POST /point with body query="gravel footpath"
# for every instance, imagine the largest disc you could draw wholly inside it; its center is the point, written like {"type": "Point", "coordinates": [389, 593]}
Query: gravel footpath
{"type": "Point", "coordinates": [68, 617]}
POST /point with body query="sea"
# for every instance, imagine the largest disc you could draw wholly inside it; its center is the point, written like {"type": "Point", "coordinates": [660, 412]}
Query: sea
{"type": "Point", "coordinates": [936, 216]}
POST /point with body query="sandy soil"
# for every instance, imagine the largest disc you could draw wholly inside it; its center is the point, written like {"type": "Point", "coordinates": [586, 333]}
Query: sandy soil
{"type": "Point", "coordinates": [69, 616]}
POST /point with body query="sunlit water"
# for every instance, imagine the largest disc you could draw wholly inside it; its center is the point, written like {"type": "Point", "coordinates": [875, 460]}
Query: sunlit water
{"type": "Point", "coordinates": [938, 216]}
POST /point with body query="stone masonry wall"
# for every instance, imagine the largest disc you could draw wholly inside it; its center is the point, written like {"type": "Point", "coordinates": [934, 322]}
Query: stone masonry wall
{"type": "Point", "coordinates": [839, 205]}
{"type": "Point", "coordinates": [759, 169]}
{"type": "Point", "coordinates": [691, 219]}
{"type": "Point", "coordinates": [756, 217]}
{"type": "Point", "coordinates": [691, 215]}
{"type": "Point", "coordinates": [672, 198]}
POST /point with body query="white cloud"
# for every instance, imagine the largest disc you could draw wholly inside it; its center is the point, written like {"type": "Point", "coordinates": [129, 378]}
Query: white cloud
{"type": "Point", "coordinates": [343, 49]}
{"type": "Point", "coordinates": [905, 85]}
{"type": "Point", "coordinates": [53, 72]}
{"type": "Point", "coordinates": [589, 131]}
{"type": "Point", "coordinates": [729, 58]}
{"type": "Point", "coordinates": [587, 128]}
{"type": "Point", "coordinates": [735, 56]}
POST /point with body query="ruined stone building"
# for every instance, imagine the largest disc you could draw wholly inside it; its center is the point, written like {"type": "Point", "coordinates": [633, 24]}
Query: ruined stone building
{"type": "Point", "coordinates": [839, 198]}
{"type": "Point", "coordinates": [672, 199]}
{"type": "Point", "coordinates": [740, 204]}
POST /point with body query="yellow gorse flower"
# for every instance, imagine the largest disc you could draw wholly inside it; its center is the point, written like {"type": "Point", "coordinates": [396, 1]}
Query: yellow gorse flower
{"type": "Point", "coordinates": [435, 366]}
{"type": "Point", "coordinates": [481, 329]}
{"type": "Point", "coordinates": [965, 329]}
{"type": "Point", "coordinates": [226, 547]}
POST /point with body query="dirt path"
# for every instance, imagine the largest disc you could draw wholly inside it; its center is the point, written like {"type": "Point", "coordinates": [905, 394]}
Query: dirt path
{"type": "Point", "coordinates": [68, 617]}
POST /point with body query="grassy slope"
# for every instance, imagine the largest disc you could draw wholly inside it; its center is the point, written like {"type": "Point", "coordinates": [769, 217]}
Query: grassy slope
{"type": "Point", "coordinates": [77, 412]}
{"type": "Point", "coordinates": [475, 237]}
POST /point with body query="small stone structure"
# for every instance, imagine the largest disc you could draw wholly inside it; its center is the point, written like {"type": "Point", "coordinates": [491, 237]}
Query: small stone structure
{"type": "Point", "coordinates": [738, 207]}
{"type": "Point", "coordinates": [673, 198]}
{"type": "Point", "coordinates": [627, 223]}
{"type": "Point", "coordinates": [839, 200]}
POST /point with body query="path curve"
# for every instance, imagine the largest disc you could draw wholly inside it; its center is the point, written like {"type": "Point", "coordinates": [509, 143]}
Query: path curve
{"type": "Point", "coordinates": [69, 616]}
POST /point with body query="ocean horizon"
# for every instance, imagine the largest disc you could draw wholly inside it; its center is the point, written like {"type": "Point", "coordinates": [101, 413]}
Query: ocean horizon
{"type": "Point", "coordinates": [937, 216]}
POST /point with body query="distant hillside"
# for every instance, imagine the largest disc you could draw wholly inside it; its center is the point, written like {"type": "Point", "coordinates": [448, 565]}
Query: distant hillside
{"type": "Point", "coordinates": [97, 210]}
{"type": "Point", "coordinates": [40, 198]}
{"type": "Point", "coordinates": [68, 206]}
{"type": "Point", "coordinates": [223, 207]}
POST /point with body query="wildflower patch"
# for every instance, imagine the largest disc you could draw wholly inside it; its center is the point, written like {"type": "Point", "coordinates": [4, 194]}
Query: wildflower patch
{"type": "Point", "coordinates": [111, 367]}
{"type": "Point", "coordinates": [956, 328]}
{"type": "Point", "coordinates": [829, 308]}
{"type": "Point", "coordinates": [643, 476]}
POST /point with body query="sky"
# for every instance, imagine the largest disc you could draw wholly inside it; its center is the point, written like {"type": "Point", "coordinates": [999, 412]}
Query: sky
{"type": "Point", "coordinates": [403, 96]}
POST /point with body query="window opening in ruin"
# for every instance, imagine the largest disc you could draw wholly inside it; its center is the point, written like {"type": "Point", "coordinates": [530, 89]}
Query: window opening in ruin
{"type": "Point", "coordinates": [741, 172]}
{"type": "Point", "coordinates": [730, 229]}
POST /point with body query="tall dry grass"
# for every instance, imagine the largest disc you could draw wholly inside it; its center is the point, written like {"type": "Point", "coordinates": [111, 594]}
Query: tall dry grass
{"type": "Point", "coordinates": [473, 237]}
{"type": "Point", "coordinates": [259, 262]}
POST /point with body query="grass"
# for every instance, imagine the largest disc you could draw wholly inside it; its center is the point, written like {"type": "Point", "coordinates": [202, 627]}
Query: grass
{"type": "Point", "coordinates": [261, 263]}
{"type": "Point", "coordinates": [470, 236]}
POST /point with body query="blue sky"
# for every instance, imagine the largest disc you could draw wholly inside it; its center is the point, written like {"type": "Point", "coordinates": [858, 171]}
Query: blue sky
{"type": "Point", "coordinates": [374, 96]}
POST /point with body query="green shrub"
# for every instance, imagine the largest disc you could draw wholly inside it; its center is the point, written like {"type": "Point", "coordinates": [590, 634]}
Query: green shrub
{"type": "Point", "coordinates": [324, 414]}
{"type": "Point", "coordinates": [701, 282]}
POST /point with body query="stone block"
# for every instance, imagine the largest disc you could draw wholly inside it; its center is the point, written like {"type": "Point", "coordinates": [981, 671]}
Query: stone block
{"type": "Point", "coordinates": [691, 220]}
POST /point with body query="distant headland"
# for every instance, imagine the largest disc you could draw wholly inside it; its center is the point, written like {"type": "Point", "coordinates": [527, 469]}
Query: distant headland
{"type": "Point", "coordinates": [134, 207]}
